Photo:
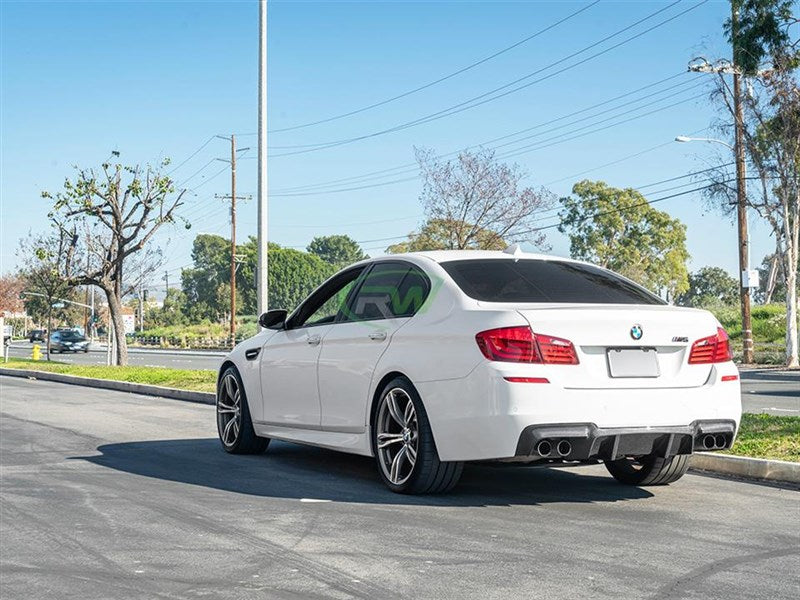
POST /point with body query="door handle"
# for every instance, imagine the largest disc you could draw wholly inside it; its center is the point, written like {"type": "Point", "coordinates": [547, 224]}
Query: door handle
{"type": "Point", "coordinates": [377, 335]}
{"type": "Point", "coordinates": [313, 340]}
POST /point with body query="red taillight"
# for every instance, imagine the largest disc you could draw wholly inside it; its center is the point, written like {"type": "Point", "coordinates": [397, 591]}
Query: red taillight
{"type": "Point", "coordinates": [520, 344]}
{"type": "Point", "coordinates": [556, 351]}
{"type": "Point", "coordinates": [711, 349]}
{"type": "Point", "coordinates": [508, 344]}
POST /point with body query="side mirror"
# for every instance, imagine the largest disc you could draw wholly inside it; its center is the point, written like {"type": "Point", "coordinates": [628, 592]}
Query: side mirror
{"type": "Point", "coordinates": [273, 319]}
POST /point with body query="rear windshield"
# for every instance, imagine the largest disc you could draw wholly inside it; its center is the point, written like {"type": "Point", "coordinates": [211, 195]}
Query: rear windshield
{"type": "Point", "coordinates": [498, 280]}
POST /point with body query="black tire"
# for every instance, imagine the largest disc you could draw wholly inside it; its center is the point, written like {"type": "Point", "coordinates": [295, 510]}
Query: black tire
{"type": "Point", "coordinates": [428, 474]}
{"type": "Point", "coordinates": [245, 440]}
{"type": "Point", "coordinates": [649, 470]}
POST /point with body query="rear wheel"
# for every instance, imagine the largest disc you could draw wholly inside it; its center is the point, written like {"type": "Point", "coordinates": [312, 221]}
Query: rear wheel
{"type": "Point", "coordinates": [234, 425]}
{"type": "Point", "coordinates": [403, 443]}
{"type": "Point", "coordinates": [649, 470]}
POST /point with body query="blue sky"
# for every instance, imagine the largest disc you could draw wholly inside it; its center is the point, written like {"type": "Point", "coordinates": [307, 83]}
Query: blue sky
{"type": "Point", "coordinates": [156, 79]}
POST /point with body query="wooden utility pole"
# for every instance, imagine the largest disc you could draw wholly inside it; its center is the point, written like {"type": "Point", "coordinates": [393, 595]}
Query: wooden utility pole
{"type": "Point", "coordinates": [741, 198]}
{"type": "Point", "coordinates": [233, 199]}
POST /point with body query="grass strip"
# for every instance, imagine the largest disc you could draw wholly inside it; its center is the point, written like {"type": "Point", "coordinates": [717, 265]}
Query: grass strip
{"type": "Point", "coordinates": [768, 436]}
{"type": "Point", "coordinates": [197, 380]}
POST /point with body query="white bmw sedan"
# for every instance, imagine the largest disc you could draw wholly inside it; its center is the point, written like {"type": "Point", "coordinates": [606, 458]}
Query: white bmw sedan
{"type": "Point", "coordinates": [428, 360]}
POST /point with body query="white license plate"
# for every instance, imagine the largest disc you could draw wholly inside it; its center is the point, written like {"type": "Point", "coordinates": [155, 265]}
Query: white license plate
{"type": "Point", "coordinates": [633, 362]}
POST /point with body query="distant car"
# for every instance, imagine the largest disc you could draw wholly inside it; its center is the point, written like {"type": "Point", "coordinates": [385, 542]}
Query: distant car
{"type": "Point", "coordinates": [428, 360]}
{"type": "Point", "coordinates": [68, 341]}
{"type": "Point", "coordinates": [37, 335]}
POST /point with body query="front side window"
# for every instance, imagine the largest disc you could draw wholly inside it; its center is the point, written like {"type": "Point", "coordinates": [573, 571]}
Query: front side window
{"type": "Point", "coordinates": [390, 290]}
{"type": "Point", "coordinates": [322, 307]}
{"type": "Point", "coordinates": [531, 281]}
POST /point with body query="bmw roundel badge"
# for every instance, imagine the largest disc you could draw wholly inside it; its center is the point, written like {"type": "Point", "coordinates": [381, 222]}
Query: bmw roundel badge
{"type": "Point", "coordinates": [637, 332]}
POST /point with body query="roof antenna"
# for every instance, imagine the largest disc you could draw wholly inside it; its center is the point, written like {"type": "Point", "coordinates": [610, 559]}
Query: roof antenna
{"type": "Point", "coordinates": [514, 250]}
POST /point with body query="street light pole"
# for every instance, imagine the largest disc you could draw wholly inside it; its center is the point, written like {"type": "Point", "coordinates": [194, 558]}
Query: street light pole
{"type": "Point", "coordinates": [741, 217]}
{"type": "Point", "coordinates": [263, 262]}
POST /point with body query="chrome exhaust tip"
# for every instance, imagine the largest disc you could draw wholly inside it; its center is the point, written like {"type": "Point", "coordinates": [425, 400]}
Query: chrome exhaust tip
{"type": "Point", "coordinates": [544, 448]}
{"type": "Point", "coordinates": [709, 443]}
{"type": "Point", "coordinates": [564, 448]}
{"type": "Point", "coordinates": [720, 441]}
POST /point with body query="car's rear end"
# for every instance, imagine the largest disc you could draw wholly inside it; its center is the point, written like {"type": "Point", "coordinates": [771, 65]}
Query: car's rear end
{"type": "Point", "coordinates": [588, 366]}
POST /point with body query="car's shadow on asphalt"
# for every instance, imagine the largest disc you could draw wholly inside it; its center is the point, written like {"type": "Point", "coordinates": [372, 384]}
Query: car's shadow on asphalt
{"type": "Point", "coordinates": [301, 472]}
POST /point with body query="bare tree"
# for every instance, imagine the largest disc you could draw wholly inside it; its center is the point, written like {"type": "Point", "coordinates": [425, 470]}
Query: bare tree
{"type": "Point", "coordinates": [11, 286]}
{"type": "Point", "coordinates": [475, 201]}
{"type": "Point", "coordinates": [111, 216]}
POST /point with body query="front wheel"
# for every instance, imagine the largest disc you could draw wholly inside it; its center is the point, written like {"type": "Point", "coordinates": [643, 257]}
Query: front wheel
{"type": "Point", "coordinates": [648, 470]}
{"type": "Point", "coordinates": [403, 443]}
{"type": "Point", "coordinates": [234, 424]}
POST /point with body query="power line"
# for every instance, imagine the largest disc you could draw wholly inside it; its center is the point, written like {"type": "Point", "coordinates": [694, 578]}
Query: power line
{"type": "Point", "coordinates": [439, 80]}
{"type": "Point", "coordinates": [558, 140]}
{"type": "Point", "coordinates": [191, 156]}
{"type": "Point", "coordinates": [472, 103]}
{"type": "Point", "coordinates": [412, 166]}
{"type": "Point", "coordinates": [540, 145]}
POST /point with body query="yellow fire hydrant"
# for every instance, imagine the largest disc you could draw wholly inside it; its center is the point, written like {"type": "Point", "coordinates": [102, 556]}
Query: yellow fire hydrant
{"type": "Point", "coordinates": [37, 352]}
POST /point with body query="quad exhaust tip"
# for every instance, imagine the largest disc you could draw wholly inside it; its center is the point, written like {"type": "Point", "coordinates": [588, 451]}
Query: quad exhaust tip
{"type": "Point", "coordinates": [714, 442]}
{"type": "Point", "coordinates": [544, 448]}
{"type": "Point", "coordinates": [564, 448]}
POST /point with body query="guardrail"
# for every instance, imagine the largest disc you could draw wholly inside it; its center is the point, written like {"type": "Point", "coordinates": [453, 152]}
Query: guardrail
{"type": "Point", "coordinates": [184, 342]}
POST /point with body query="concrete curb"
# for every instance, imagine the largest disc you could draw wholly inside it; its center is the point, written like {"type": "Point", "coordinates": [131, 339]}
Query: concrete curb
{"type": "Point", "coordinates": [747, 468]}
{"type": "Point", "coordinates": [118, 386]}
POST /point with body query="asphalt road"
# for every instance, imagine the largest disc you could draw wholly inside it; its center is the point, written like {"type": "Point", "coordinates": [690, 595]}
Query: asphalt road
{"type": "Point", "coordinates": [177, 359]}
{"type": "Point", "coordinates": [772, 391]}
{"type": "Point", "coordinates": [768, 390]}
{"type": "Point", "coordinates": [108, 495]}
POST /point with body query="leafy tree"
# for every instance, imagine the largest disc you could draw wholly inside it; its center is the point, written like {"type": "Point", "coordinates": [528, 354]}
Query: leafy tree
{"type": "Point", "coordinates": [293, 275]}
{"type": "Point", "coordinates": [617, 229]}
{"type": "Point", "coordinates": [437, 234]}
{"type": "Point", "coordinates": [171, 312]}
{"type": "Point", "coordinates": [109, 216]}
{"type": "Point", "coordinates": [761, 32]}
{"type": "Point", "coordinates": [474, 201]}
{"type": "Point", "coordinates": [337, 250]}
{"type": "Point", "coordinates": [46, 268]}
{"type": "Point", "coordinates": [771, 135]}
{"type": "Point", "coordinates": [710, 286]}
{"type": "Point", "coordinates": [211, 256]}
{"type": "Point", "coordinates": [771, 272]}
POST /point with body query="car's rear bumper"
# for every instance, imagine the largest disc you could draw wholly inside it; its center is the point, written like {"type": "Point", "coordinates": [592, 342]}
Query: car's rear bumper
{"type": "Point", "coordinates": [485, 417]}
{"type": "Point", "coordinates": [587, 441]}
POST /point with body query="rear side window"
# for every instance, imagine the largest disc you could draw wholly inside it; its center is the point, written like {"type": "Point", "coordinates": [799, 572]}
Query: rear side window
{"type": "Point", "coordinates": [529, 280]}
{"type": "Point", "coordinates": [389, 291]}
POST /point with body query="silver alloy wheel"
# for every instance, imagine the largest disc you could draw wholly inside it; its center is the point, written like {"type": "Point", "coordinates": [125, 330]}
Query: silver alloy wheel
{"type": "Point", "coordinates": [398, 435]}
{"type": "Point", "coordinates": [229, 410]}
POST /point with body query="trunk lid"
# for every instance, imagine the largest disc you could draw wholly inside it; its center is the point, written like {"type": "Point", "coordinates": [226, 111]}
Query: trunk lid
{"type": "Point", "coordinates": [595, 329]}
